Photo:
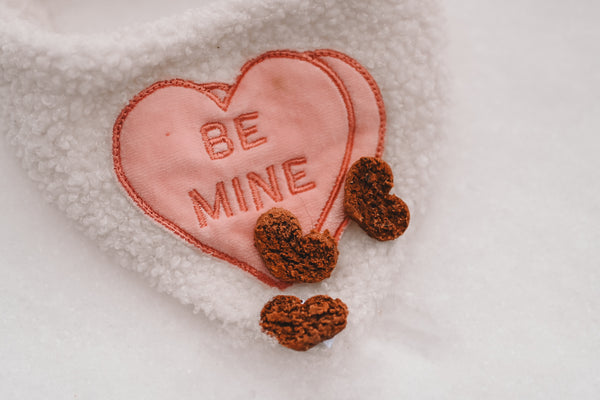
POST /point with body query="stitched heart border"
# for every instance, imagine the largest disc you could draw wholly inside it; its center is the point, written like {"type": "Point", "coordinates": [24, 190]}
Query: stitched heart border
{"type": "Point", "coordinates": [208, 89]}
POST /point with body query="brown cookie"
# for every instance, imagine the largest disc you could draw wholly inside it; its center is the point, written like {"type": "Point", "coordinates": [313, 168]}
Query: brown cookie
{"type": "Point", "coordinates": [301, 326]}
{"type": "Point", "coordinates": [368, 202]}
{"type": "Point", "coordinates": [288, 255]}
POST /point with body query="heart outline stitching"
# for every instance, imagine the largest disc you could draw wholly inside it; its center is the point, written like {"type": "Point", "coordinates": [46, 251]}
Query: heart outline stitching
{"type": "Point", "coordinates": [378, 99]}
{"type": "Point", "coordinates": [223, 103]}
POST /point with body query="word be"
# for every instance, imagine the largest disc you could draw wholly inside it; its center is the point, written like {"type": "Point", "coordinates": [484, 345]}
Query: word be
{"type": "Point", "coordinates": [257, 184]}
{"type": "Point", "coordinates": [221, 145]}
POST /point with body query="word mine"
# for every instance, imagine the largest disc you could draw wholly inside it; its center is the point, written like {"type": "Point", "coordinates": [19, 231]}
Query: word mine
{"type": "Point", "coordinates": [219, 144]}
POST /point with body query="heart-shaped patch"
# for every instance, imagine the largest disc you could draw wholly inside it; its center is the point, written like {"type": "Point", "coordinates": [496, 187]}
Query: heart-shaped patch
{"type": "Point", "coordinates": [206, 160]}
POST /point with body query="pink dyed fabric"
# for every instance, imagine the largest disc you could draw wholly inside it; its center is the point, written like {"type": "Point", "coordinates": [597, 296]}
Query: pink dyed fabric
{"type": "Point", "coordinates": [284, 136]}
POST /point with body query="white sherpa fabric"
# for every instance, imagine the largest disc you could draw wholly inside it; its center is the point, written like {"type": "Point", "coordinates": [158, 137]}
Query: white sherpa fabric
{"type": "Point", "coordinates": [61, 94]}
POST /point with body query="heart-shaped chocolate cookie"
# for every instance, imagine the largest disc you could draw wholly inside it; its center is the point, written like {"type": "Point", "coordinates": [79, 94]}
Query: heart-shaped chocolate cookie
{"type": "Point", "coordinates": [301, 326]}
{"type": "Point", "coordinates": [367, 200]}
{"type": "Point", "coordinates": [290, 256]}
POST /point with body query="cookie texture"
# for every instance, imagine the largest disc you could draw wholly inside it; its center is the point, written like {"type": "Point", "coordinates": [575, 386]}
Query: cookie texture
{"type": "Point", "coordinates": [300, 326]}
{"type": "Point", "coordinates": [290, 256]}
{"type": "Point", "coordinates": [367, 200]}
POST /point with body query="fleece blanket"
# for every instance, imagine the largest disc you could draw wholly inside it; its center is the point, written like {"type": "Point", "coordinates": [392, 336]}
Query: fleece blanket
{"type": "Point", "coordinates": [500, 299]}
{"type": "Point", "coordinates": [73, 110]}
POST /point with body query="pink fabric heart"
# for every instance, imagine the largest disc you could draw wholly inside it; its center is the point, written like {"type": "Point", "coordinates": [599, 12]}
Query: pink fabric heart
{"type": "Point", "coordinates": [206, 160]}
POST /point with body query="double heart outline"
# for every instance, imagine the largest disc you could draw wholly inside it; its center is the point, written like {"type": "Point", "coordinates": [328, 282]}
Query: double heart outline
{"type": "Point", "coordinates": [223, 103]}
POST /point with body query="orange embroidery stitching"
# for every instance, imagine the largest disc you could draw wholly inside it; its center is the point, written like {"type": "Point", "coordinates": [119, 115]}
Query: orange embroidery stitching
{"type": "Point", "coordinates": [378, 99]}
{"type": "Point", "coordinates": [210, 142]}
{"type": "Point", "coordinates": [372, 84]}
{"type": "Point", "coordinates": [292, 178]}
{"type": "Point", "coordinates": [271, 188]}
{"type": "Point", "coordinates": [244, 132]}
{"type": "Point", "coordinates": [228, 92]}
{"type": "Point", "coordinates": [239, 194]}
{"type": "Point", "coordinates": [201, 204]}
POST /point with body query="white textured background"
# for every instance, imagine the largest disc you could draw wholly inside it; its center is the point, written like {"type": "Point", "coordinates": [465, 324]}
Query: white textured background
{"type": "Point", "coordinates": [505, 302]}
